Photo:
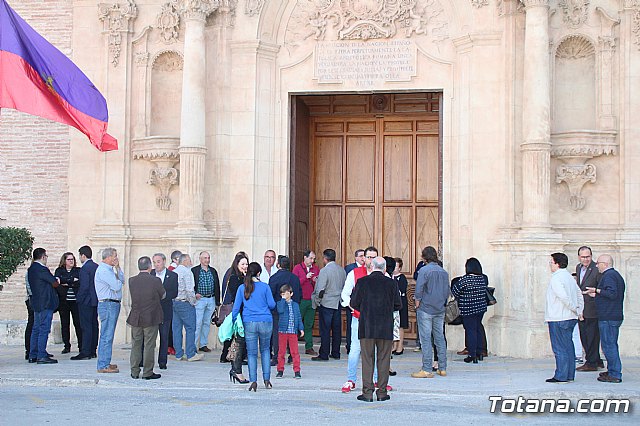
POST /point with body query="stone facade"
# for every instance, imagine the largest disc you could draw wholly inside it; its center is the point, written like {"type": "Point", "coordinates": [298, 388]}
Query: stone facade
{"type": "Point", "coordinates": [538, 130]}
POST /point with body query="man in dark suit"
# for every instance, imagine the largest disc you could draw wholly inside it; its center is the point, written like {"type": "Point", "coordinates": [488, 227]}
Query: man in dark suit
{"type": "Point", "coordinates": [276, 281]}
{"type": "Point", "coordinates": [170, 282]}
{"type": "Point", "coordinates": [44, 300]}
{"type": "Point", "coordinates": [146, 315]}
{"type": "Point", "coordinates": [376, 297]}
{"type": "Point", "coordinates": [87, 305]}
{"type": "Point", "coordinates": [587, 275]}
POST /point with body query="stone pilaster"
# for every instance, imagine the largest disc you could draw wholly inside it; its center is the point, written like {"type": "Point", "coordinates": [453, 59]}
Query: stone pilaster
{"type": "Point", "coordinates": [193, 150]}
{"type": "Point", "coordinates": [536, 144]}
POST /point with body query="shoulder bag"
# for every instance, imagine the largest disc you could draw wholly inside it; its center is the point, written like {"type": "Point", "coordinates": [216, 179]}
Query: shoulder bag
{"type": "Point", "coordinates": [221, 312]}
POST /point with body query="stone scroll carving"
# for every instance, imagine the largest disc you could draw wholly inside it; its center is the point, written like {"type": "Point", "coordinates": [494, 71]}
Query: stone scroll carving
{"type": "Point", "coordinates": [168, 22]}
{"type": "Point", "coordinates": [575, 12]}
{"type": "Point", "coordinates": [365, 20]}
{"type": "Point", "coordinates": [253, 7]}
{"type": "Point", "coordinates": [575, 176]}
{"type": "Point", "coordinates": [117, 18]}
{"type": "Point", "coordinates": [163, 153]}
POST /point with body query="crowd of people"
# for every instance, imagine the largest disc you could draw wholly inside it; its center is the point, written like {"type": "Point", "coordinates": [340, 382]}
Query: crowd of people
{"type": "Point", "coordinates": [276, 305]}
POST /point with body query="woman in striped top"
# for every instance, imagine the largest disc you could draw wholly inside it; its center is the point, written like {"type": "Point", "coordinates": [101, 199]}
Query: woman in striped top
{"type": "Point", "coordinates": [471, 292]}
{"type": "Point", "coordinates": [69, 275]}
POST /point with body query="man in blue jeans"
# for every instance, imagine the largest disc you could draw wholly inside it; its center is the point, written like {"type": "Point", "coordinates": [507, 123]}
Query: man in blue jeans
{"type": "Point", "coordinates": [184, 312]}
{"type": "Point", "coordinates": [432, 292]}
{"type": "Point", "coordinates": [44, 300]}
{"type": "Point", "coordinates": [609, 297]}
{"type": "Point", "coordinates": [108, 281]}
{"type": "Point", "coordinates": [564, 305]}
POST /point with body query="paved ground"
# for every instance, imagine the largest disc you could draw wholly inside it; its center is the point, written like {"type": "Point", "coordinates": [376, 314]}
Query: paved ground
{"type": "Point", "coordinates": [71, 392]}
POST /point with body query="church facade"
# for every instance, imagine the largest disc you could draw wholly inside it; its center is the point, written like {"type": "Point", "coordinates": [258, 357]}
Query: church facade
{"type": "Point", "coordinates": [500, 129]}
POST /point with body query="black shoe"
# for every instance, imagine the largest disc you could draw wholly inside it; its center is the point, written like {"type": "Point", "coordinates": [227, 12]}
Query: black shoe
{"type": "Point", "coordinates": [335, 357]}
{"type": "Point", "coordinates": [554, 380]}
{"type": "Point", "coordinates": [66, 350]}
{"type": "Point", "coordinates": [162, 366]}
{"type": "Point", "coordinates": [80, 357]}
{"type": "Point", "coordinates": [364, 398]}
{"type": "Point", "coordinates": [245, 362]}
{"type": "Point", "coordinates": [317, 358]}
{"type": "Point", "coordinates": [397, 353]}
{"type": "Point", "coordinates": [279, 374]}
{"type": "Point", "coordinates": [135, 377]}
{"type": "Point", "coordinates": [47, 361]}
{"type": "Point", "coordinates": [26, 356]}
{"type": "Point", "coordinates": [94, 355]}
{"type": "Point", "coordinates": [274, 362]}
{"type": "Point", "coordinates": [472, 359]}
{"type": "Point", "coordinates": [153, 376]}
{"type": "Point", "coordinates": [32, 360]}
{"type": "Point", "coordinates": [297, 375]}
{"type": "Point", "coordinates": [49, 355]}
{"type": "Point", "coordinates": [609, 379]}
{"type": "Point", "coordinates": [480, 357]}
{"type": "Point", "coordinates": [383, 398]}
{"type": "Point", "coordinates": [392, 373]}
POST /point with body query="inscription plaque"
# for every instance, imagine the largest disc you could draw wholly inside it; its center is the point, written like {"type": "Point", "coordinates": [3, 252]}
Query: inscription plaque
{"type": "Point", "coordinates": [365, 63]}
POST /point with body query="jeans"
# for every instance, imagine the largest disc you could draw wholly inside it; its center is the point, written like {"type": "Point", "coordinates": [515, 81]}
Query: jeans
{"type": "Point", "coordinates": [473, 334]}
{"type": "Point", "coordinates": [561, 333]}
{"type": "Point", "coordinates": [308, 317]}
{"type": "Point", "coordinates": [330, 332]}
{"type": "Point", "coordinates": [354, 354]}
{"type": "Point", "coordinates": [40, 334]}
{"type": "Point", "coordinates": [254, 332]}
{"type": "Point", "coordinates": [204, 310]}
{"type": "Point", "coordinates": [108, 313]}
{"type": "Point", "coordinates": [184, 315]}
{"type": "Point", "coordinates": [609, 340]}
{"type": "Point", "coordinates": [432, 325]}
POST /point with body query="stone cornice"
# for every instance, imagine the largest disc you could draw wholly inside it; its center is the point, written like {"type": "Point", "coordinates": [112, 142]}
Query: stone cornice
{"type": "Point", "coordinates": [529, 4]}
{"type": "Point", "coordinates": [584, 143]}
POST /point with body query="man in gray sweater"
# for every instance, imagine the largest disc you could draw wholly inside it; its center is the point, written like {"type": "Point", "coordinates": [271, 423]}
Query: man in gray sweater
{"type": "Point", "coordinates": [326, 296]}
{"type": "Point", "coordinates": [432, 292]}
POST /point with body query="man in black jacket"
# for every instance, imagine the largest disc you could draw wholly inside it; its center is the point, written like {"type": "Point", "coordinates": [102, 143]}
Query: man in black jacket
{"type": "Point", "coordinates": [376, 297]}
{"type": "Point", "coordinates": [587, 275]}
{"type": "Point", "coordinates": [170, 282]}
{"type": "Point", "coordinates": [87, 305]}
{"type": "Point", "coordinates": [44, 300]}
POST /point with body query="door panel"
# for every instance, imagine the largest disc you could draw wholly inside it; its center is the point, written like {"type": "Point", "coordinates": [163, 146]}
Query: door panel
{"type": "Point", "coordinates": [361, 167]}
{"type": "Point", "coordinates": [328, 168]}
{"type": "Point", "coordinates": [398, 167]}
{"type": "Point", "coordinates": [397, 227]}
{"type": "Point", "coordinates": [359, 229]}
{"type": "Point", "coordinates": [427, 228]}
{"type": "Point", "coordinates": [428, 168]}
{"type": "Point", "coordinates": [328, 230]}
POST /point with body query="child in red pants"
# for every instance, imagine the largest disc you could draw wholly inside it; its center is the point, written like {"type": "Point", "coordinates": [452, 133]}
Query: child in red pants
{"type": "Point", "coordinates": [289, 323]}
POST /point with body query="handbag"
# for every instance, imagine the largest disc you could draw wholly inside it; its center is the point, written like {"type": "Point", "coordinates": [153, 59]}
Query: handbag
{"type": "Point", "coordinates": [221, 312]}
{"type": "Point", "coordinates": [233, 349]}
{"type": "Point", "coordinates": [451, 311]}
{"type": "Point", "coordinates": [491, 300]}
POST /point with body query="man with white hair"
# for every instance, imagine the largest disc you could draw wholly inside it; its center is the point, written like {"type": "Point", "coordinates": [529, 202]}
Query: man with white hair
{"type": "Point", "coordinates": [184, 312]}
{"type": "Point", "coordinates": [376, 297]}
{"type": "Point", "coordinates": [609, 297]}
{"type": "Point", "coordinates": [108, 281]}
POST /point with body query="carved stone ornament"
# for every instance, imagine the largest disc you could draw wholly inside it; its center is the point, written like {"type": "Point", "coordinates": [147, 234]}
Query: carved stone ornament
{"type": "Point", "coordinates": [198, 9]}
{"type": "Point", "coordinates": [574, 149]}
{"type": "Point", "coordinates": [117, 19]}
{"type": "Point", "coordinates": [479, 3]}
{"type": "Point", "coordinates": [168, 22]}
{"type": "Point", "coordinates": [365, 20]}
{"type": "Point", "coordinates": [253, 7]}
{"type": "Point", "coordinates": [509, 7]}
{"type": "Point", "coordinates": [163, 153]}
{"type": "Point", "coordinates": [575, 176]}
{"type": "Point", "coordinates": [575, 12]}
{"type": "Point", "coordinates": [575, 47]}
{"type": "Point", "coordinates": [636, 27]}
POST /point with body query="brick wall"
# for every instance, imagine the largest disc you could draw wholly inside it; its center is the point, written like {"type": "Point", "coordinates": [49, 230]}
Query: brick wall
{"type": "Point", "coordinates": [34, 161]}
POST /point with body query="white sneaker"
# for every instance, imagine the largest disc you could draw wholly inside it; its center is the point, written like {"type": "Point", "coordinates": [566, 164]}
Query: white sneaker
{"type": "Point", "coordinates": [182, 358]}
{"type": "Point", "coordinates": [196, 357]}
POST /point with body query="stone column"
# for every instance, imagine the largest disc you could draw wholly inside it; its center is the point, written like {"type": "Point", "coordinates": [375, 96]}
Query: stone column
{"type": "Point", "coordinates": [192, 132]}
{"type": "Point", "coordinates": [536, 126]}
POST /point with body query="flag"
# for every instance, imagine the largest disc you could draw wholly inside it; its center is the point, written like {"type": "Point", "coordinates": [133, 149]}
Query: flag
{"type": "Point", "coordinates": [38, 79]}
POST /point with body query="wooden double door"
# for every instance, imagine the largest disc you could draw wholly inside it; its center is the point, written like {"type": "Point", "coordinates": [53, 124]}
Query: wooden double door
{"type": "Point", "coordinates": [375, 181]}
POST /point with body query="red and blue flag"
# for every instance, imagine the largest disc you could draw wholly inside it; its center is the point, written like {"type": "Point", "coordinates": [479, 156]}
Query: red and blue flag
{"type": "Point", "coordinates": [38, 79]}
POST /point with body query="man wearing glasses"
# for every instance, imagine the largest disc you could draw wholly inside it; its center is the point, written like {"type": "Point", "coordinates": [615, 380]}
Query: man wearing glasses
{"type": "Point", "coordinates": [588, 276]}
{"type": "Point", "coordinates": [269, 266]}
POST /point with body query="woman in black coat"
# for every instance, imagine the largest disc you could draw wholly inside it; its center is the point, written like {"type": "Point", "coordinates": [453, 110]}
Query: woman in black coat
{"type": "Point", "coordinates": [401, 280]}
{"type": "Point", "coordinates": [69, 275]}
{"type": "Point", "coordinates": [236, 279]}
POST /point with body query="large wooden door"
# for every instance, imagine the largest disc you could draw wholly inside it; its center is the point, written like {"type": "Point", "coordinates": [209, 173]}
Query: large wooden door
{"type": "Point", "coordinates": [375, 180]}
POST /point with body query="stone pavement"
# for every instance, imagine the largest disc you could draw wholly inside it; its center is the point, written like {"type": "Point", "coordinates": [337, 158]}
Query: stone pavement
{"type": "Point", "coordinates": [71, 392]}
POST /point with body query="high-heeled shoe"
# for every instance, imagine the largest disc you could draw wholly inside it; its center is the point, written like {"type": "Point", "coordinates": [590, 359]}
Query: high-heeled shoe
{"type": "Point", "coordinates": [471, 359]}
{"type": "Point", "coordinates": [267, 384]}
{"type": "Point", "coordinates": [253, 386]}
{"type": "Point", "coordinates": [233, 377]}
{"type": "Point", "coordinates": [392, 373]}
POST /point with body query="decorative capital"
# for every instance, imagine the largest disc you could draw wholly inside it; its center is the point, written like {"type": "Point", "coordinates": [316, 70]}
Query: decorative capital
{"type": "Point", "coordinates": [116, 19]}
{"type": "Point", "coordinates": [198, 9]}
{"type": "Point", "coordinates": [607, 42]}
{"type": "Point", "coordinates": [168, 22]}
{"type": "Point", "coordinates": [576, 176]}
{"type": "Point", "coordinates": [530, 4]}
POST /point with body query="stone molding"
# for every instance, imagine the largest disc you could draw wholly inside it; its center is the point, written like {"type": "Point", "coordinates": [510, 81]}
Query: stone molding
{"type": "Point", "coordinates": [529, 4]}
{"type": "Point", "coordinates": [574, 149]}
{"type": "Point", "coordinates": [163, 153]}
{"type": "Point", "coordinates": [168, 22]}
{"type": "Point", "coordinates": [197, 9]}
{"type": "Point", "coordinates": [575, 12]}
{"type": "Point", "coordinates": [117, 18]}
